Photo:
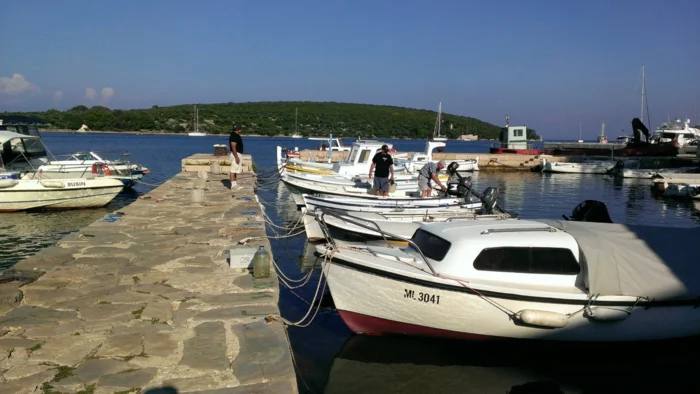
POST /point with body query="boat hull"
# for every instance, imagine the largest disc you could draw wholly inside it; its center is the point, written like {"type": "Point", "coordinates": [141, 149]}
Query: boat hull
{"type": "Point", "coordinates": [376, 302]}
{"type": "Point", "coordinates": [75, 194]}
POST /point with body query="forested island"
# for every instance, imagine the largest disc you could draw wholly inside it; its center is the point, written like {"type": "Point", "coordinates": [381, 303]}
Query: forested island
{"type": "Point", "coordinates": [273, 118]}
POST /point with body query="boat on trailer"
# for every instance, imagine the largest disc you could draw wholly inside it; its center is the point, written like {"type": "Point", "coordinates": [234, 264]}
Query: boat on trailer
{"type": "Point", "coordinates": [548, 280]}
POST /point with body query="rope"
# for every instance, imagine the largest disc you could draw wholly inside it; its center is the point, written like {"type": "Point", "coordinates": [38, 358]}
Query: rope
{"type": "Point", "coordinates": [482, 296]}
{"type": "Point", "coordinates": [315, 309]}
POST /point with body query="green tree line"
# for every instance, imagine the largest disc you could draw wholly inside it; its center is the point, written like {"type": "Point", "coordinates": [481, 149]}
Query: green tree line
{"type": "Point", "coordinates": [274, 118]}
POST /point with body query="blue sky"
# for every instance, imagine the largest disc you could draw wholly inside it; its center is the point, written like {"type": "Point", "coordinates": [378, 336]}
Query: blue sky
{"type": "Point", "coordinates": [548, 64]}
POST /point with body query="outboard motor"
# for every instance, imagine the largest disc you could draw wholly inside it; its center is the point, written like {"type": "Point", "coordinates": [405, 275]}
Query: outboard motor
{"type": "Point", "coordinates": [590, 211]}
{"type": "Point", "coordinates": [458, 186]}
{"type": "Point", "coordinates": [452, 169]}
{"type": "Point", "coordinates": [489, 199]}
{"type": "Point", "coordinates": [617, 168]}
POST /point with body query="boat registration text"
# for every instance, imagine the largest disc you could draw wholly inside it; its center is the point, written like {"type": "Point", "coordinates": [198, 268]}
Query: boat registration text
{"type": "Point", "coordinates": [75, 184]}
{"type": "Point", "coordinates": [421, 297]}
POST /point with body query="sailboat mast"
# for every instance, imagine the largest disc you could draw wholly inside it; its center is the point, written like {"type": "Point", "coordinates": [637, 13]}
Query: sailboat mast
{"type": "Point", "coordinates": [296, 114]}
{"type": "Point", "coordinates": [643, 89]}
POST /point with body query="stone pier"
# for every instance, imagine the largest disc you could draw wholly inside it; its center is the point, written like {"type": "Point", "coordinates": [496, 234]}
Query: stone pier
{"type": "Point", "coordinates": [144, 300]}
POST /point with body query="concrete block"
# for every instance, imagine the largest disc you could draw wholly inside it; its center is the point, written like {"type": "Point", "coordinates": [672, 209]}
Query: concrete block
{"type": "Point", "coordinates": [241, 258]}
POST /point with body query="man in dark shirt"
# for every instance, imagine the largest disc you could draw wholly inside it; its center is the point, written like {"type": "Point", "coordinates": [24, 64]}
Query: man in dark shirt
{"type": "Point", "coordinates": [235, 143]}
{"type": "Point", "coordinates": [382, 164]}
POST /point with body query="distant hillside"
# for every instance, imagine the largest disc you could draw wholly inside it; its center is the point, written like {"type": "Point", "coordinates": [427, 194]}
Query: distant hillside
{"type": "Point", "coordinates": [273, 118]}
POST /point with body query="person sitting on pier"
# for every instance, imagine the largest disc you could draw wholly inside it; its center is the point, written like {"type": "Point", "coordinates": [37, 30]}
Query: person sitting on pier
{"type": "Point", "coordinates": [428, 173]}
{"type": "Point", "coordinates": [382, 164]}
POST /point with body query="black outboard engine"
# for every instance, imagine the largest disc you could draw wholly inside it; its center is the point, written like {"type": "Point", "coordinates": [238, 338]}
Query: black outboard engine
{"type": "Point", "coordinates": [590, 211]}
{"type": "Point", "coordinates": [489, 199]}
{"type": "Point", "coordinates": [459, 186]}
{"type": "Point", "coordinates": [452, 169]}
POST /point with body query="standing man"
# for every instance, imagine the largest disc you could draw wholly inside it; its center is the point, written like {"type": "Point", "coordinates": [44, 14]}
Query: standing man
{"type": "Point", "coordinates": [235, 143]}
{"type": "Point", "coordinates": [382, 164]}
{"type": "Point", "coordinates": [428, 173]}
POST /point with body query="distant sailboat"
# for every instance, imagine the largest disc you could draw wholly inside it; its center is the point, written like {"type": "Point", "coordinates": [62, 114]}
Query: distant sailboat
{"type": "Point", "coordinates": [296, 133]}
{"type": "Point", "coordinates": [438, 124]}
{"type": "Point", "coordinates": [196, 132]}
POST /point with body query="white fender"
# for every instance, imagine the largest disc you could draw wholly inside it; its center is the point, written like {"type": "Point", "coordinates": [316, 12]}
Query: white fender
{"type": "Point", "coordinates": [52, 183]}
{"type": "Point", "coordinates": [606, 314]}
{"type": "Point", "coordinates": [540, 318]}
{"type": "Point", "coordinates": [8, 183]}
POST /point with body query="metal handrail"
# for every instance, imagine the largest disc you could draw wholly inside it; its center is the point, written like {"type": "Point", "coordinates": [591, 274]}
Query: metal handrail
{"type": "Point", "coordinates": [330, 212]}
{"type": "Point", "coordinates": [515, 229]}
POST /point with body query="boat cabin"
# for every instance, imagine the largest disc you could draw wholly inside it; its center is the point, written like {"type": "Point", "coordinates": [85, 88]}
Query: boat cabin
{"type": "Point", "coordinates": [335, 144]}
{"type": "Point", "coordinates": [506, 252]}
{"type": "Point", "coordinates": [678, 133]}
{"type": "Point", "coordinates": [513, 137]}
{"type": "Point", "coordinates": [360, 158]}
{"type": "Point", "coordinates": [20, 142]}
{"type": "Point", "coordinates": [418, 160]}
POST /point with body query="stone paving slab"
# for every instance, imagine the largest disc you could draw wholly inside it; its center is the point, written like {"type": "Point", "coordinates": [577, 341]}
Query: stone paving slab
{"type": "Point", "coordinates": [144, 299]}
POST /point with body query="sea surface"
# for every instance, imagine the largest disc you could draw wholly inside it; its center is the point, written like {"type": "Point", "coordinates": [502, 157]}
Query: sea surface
{"type": "Point", "coordinates": [328, 358]}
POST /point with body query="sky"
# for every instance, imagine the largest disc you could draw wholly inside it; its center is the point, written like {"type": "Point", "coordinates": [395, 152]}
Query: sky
{"type": "Point", "coordinates": [555, 66]}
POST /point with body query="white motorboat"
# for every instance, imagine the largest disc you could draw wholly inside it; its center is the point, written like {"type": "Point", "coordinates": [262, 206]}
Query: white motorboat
{"type": "Point", "coordinates": [390, 204]}
{"type": "Point", "coordinates": [24, 194]}
{"type": "Point", "coordinates": [587, 167]}
{"type": "Point", "coordinates": [359, 188]}
{"type": "Point", "coordinates": [314, 181]}
{"type": "Point", "coordinates": [27, 154]}
{"type": "Point", "coordinates": [527, 279]}
{"type": "Point", "coordinates": [396, 226]}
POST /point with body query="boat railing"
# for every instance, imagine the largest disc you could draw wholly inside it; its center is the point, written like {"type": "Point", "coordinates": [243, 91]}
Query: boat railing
{"type": "Point", "coordinates": [321, 213]}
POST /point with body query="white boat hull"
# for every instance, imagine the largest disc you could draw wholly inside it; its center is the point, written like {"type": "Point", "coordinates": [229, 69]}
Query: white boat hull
{"type": "Point", "coordinates": [376, 303]}
{"type": "Point", "coordinates": [593, 167]}
{"type": "Point", "coordinates": [387, 205]}
{"type": "Point", "coordinates": [401, 226]}
{"type": "Point", "coordinates": [59, 194]}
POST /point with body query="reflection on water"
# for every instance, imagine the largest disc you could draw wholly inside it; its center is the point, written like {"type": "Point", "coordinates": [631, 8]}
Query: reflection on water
{"type": "Point", "coordinates": [417, 365]}
{"type": "Point", "coordinates": [22, 234]}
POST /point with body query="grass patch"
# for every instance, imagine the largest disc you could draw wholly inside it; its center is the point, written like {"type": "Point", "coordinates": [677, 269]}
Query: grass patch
{"type": "Point", "coordinates": [104, 303]}
{"type": "Point", "coordinates": [163, 297]}
{"type": "Point", "coordinates": [35, 347]}
{"type": "Point", "coordinates": [63, 372]}
{"type": "Point", "coordinates": [137, 313]}
{"type": "Point", "coordinates": [155, 321]}
{"type": "Point", "coordinates": [136, 279]}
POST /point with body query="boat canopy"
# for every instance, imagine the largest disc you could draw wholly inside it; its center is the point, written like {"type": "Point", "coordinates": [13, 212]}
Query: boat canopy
{"type": "Point", "coordinates": [9, 136]}
{"type": "Point", "coordinates": [650, 262]}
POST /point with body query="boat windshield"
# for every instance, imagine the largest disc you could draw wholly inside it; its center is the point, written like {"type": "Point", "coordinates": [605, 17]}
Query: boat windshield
{"type": "Point", "coordinates": [353, 155]}
{"type": "Point", "coordinates": [432, 246]}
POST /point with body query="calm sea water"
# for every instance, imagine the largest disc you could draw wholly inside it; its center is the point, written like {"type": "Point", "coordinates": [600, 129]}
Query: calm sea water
{"type": "Point", "coordinates": [328, 358]}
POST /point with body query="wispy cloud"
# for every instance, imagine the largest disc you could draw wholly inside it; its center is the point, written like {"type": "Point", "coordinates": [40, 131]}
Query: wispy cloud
{"type": "Point", "coordinates": [106, 94]}
{"type": "Point", "coordinates": [90, 94]}
{"type": "Point", "coordinates": [17, 85]}
{"type": "Point", "coordinates": [57, 96]}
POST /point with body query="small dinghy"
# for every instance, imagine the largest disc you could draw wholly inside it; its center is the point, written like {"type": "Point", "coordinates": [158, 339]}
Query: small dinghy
{"type": "Point", "coordinates": [550, 280]}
